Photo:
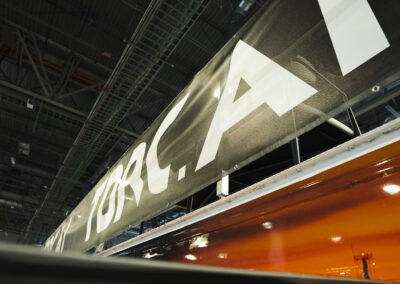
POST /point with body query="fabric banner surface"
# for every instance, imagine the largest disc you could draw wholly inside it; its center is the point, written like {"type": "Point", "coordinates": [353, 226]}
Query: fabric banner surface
{"type": "Point", "coordinates": [294, 65]}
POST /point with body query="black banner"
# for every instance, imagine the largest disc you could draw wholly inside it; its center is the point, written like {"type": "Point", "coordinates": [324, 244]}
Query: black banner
{"type": "Point", "coordinates": [294, 65]}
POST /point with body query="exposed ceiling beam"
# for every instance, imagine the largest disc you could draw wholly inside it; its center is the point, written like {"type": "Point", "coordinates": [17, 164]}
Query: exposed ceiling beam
{"type": "Point", "coordinates": [81, 75]}
{"type": "Point", "coordinates": [84, 89]}
{"type": "Point", "coordinates": [63, 49]}
{"type": "Point", "coordinates": [7, 195]}
{"type": "Point", "coordinates": [30, 57]}
{"type": "Point", "coordinates": [209, 50]}
{"type": "Point", "coordinates": [59, 105]}
{"type": "Point", "coordinates": [41, 173]}
{"type": "Point", "coordinates": [53, 27]}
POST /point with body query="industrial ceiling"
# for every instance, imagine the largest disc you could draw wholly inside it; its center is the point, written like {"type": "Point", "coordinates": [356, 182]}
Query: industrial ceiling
{"type": "Point", "coordinates": [81, 80]}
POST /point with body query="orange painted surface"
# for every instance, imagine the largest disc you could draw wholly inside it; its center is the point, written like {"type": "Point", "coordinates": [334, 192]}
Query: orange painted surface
{"type": "Point", "coordinates": [316, 226]}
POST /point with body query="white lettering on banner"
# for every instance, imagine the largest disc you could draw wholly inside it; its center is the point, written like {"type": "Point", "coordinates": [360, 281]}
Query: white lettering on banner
{"type": "Point", "coordinates": [120, 178]}
{"type": "Point", "coordinates": [157, 177]}
{"type": "Point", "coordinates": [60, 235]}
{"type": "Point", "coordinates": [270, 84]}
{"type": "Point", "coordinates": [61, 241]}
{"type": "Point", "coordinates": [50, 242]}
{"type": "Point", "coordinates": [98, 193]}
{"type": "Point", "coordinates": [103, 220]}
{"type": "Point", "coordinates": [354, 30]}
{"type": "Point", "coordinates": [356, 37]}
{"type": "Point", "coordinates": [134, 181]}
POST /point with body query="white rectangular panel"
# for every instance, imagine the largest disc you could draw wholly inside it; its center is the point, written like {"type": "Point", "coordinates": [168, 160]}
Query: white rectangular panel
{"type": "Point", "coordinates": [354, 30]}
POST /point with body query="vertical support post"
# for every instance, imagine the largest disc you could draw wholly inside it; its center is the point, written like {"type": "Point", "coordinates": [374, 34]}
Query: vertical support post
{"type": "Point", "coordinates": [189, 204]}
{"type": "Point", "coordinates": [1, 69]}
{"type": "Point", "coordinates": [20, 53]}
{"type": "Point", "coordinates": [294, 144]}
{"type": "Point", "coordinates": [365, 268]}
{"type": "Point", "coordinates": [223, 187]}
{"type": "Point", "coordinates": [37, 117]}
{"type": "Point", "coordinates": [141, 230]}
{"type": "Point", "coordinates": [353, 121]}
{"type": "Point", "coordinates": [364, 257]}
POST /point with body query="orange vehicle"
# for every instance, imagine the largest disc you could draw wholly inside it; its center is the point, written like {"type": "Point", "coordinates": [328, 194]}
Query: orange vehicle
{"type": "Point", "coordinates": [340, 218]}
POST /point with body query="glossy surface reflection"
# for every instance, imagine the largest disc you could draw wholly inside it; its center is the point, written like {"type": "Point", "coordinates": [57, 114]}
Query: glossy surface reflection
{"type": "Point", "coordinates": [343, 222]}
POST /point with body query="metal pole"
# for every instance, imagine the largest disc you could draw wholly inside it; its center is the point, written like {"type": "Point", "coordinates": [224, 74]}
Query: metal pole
{"type": "Point", "coordinates": [40, 57]}
{"type": "Point", "coordinates": [353, 120]}
{"type": "Point", "coordinates": [33, 64]}
{"type": "Point", "coordinates": [141, 230]}
{"type": "Point", "coordinates": [189, 204]}
{"type": "Point", "coordinates": [294, 144]}
{"type": "Point", "coordinates": [80, 90]}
